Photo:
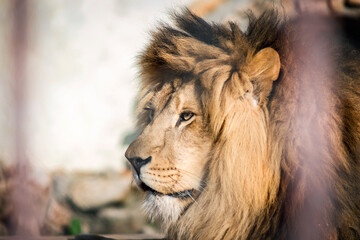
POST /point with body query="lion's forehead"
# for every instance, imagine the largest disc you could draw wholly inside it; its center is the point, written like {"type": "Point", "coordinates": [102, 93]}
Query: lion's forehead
{"type": "Point", "coordinates": [176, 98]}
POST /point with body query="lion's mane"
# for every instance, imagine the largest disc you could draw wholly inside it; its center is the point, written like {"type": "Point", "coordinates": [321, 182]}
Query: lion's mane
{"type": "Point", "coordinates": [291, 172]}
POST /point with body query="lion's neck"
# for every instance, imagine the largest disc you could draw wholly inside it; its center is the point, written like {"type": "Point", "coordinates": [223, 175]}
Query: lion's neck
{"type": "Point", "coordinates": [240, 178]}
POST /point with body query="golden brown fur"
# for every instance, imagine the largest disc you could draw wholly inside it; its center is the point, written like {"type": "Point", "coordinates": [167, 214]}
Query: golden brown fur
{"type": "Point", "coordinates": [272, 150]}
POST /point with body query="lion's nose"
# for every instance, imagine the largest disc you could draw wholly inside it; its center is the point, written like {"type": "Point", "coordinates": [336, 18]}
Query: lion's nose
{"type": "Point", "coordinates": [137, 163]}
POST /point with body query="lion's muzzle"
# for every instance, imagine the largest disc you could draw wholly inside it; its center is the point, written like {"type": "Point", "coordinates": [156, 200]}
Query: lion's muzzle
{"type": "Point", "coordinates": [137, 163]}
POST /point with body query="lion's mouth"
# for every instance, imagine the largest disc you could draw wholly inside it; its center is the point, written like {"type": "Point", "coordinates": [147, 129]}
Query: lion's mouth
{"type": "Point", "coordinates": [182, 195]}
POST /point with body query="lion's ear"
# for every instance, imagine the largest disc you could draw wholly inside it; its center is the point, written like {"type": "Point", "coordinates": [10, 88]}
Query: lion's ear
{"type": "Point", "coordinates": [265, 65]}
{"type": "Point", "coordinates": [263, 69]}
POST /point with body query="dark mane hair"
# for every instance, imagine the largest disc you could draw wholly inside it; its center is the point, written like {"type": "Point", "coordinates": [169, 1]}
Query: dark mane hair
{"type": "Point", "coordinates": [165, 56]}
{"type": "Point", "coordinates": [311, 119]}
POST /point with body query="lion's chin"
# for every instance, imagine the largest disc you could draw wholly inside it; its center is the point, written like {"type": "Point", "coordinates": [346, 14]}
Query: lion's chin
{"type": "Point", "coordinates": [182, 194]}
{"type": "Point", "coordinates": [164, 207]}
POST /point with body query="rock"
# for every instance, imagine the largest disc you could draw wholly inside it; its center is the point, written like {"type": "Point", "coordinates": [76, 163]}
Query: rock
{"type": "Point", "coordinates": [135, 197]}
{"type": "Point", "coordinates": [152, 230]}
{"type": "Point", "coordinates": [29, 193]}
{"type": "Point", "coordinates": [92, 192]}
{"type": "Point", "coordinates": [57, 217]}
{"type": "Point", "coordinates": [118, 221]}
{"type": "Point", "coordinates": [61, 184]}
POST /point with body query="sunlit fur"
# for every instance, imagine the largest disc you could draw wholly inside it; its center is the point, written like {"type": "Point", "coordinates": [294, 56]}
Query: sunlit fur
{"type": "Point", "coordinates": [272, 155]}
{"type": "Point", "coordinates": [165, 208]}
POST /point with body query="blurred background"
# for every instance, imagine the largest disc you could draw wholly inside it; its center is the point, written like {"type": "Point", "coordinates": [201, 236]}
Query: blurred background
{"type": "Point", "coordinates": [68, 85]}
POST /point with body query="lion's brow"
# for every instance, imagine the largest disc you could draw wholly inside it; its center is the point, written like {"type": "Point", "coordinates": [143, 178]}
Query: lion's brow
{"type": "Point", "coordinates": [166, 103]}
{"type": "Point", "coordinates": [163, 96]}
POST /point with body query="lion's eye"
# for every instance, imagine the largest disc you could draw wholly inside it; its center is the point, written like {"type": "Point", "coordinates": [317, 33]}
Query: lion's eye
{"type": "Point", "coordinates": [151, 114]}
{"type": "Point", "coordinates": [186, 116]}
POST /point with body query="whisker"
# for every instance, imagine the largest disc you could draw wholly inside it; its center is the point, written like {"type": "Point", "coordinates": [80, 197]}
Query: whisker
{"type": "Point", "coordinates": [152, 180]}
{"type": "Point", "coordinates": [187, 192]}
{"type": "Point", "coordinates": [191, 174]}
{"type": "Point", "coordinates": [194, 177]}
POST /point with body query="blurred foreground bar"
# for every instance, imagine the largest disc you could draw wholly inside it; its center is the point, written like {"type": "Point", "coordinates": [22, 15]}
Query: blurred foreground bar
{"type": "Point", "coordinates": [90, 237]}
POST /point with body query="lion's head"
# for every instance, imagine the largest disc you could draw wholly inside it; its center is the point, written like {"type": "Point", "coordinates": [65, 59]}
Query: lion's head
{"type": "Point", "coordinates": [199, 96]}
{"type": "Point", "coordinates": [170, 155]}
{"type": "Point", "coordinates": [204, 154]}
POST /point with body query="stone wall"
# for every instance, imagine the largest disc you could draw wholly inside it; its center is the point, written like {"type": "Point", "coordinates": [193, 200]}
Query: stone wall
{"type": "Point", "coordinates": [72, 203]}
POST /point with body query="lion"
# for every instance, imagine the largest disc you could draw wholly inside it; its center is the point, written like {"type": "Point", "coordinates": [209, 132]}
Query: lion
{"type": "Point", "coordinates": [249, 134]}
